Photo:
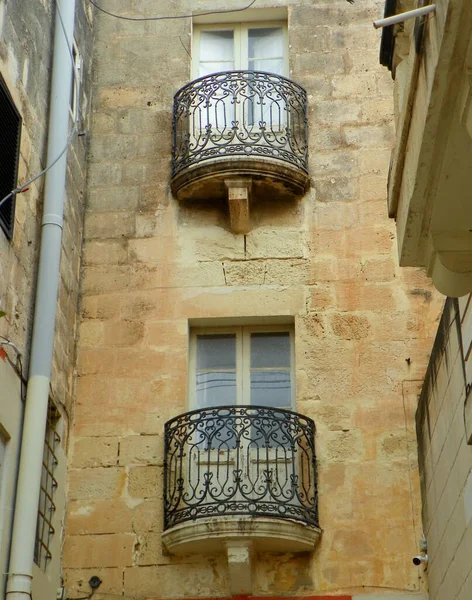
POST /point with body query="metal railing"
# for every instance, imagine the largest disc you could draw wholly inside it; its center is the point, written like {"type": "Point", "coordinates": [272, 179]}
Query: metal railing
{"type": "Point", "coordinates": [44, 527]}
{"type": "Point", "coordinates": [245, 113]}
{"type": "Point", "coordinates": [240, 460]}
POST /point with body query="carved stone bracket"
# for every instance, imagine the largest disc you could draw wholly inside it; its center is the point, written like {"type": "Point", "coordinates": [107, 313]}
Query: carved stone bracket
{"type": "Point", "coordinates": [239, 191]}
{"type": "Point", "coordinates": [239, 567]}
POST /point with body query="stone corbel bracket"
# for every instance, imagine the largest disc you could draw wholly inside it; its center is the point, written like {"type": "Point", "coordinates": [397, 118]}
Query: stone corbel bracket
{"type": "Point", "coordinates": [239, 567]}
{"type": "Point", "coordinates": [239, 192]}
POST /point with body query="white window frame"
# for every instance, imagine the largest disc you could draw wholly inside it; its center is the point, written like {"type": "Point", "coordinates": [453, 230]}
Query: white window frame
{"type": "Point", "coordinates": [240, 42]}
{"type": "Point", "coordinates": [243, 359]}
{"type": "Point", "coordinates": [76, 82]}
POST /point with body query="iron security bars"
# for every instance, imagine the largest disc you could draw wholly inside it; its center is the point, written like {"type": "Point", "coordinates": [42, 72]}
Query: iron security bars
{"type": "Point", "coordinates": [240, 460]}
{"type": "Point", "coordinates": [240, 113]}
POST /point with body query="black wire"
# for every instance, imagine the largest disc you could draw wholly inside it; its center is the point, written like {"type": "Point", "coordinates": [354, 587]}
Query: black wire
{"type": "Point", "coordinates": [211, 12]}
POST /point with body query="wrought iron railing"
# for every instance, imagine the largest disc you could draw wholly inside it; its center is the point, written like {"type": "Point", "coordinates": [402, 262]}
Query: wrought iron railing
{"type": "Point", "coordinates": [245, 113]}
{"type": "Point", "coordinates": [240, 460]}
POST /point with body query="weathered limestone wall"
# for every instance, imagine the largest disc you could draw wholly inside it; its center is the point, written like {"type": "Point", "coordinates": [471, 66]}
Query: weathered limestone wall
{"type": "Point", "coordinates": [446, 465]}
{"type": "Point", "coordinates": [363, 327]}
{"type": "Point", "coordinates": [26, 37]}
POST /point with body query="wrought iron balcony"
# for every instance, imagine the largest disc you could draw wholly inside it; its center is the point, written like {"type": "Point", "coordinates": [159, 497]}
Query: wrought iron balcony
{"type": "Point", "coordinates": [237, 462]}
{"type": "Point", "coordinates": [240, 124]}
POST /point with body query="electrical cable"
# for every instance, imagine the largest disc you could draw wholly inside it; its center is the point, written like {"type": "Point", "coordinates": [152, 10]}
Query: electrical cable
{"type": "Point", "coordinates": [19, 363]}
{"type": "Point", "coordinates": [169, 17]}
{"type": "Point", "coordinates": [23, 188]}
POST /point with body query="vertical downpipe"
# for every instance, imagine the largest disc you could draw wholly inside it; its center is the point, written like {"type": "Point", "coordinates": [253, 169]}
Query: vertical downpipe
{"type": "Point", "coordinates": [20, 570]}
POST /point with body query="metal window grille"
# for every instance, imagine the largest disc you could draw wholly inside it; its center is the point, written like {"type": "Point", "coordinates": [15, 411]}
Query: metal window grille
{"type": "Point", "coordinates": [45, 529]}
{"type": "Point", "coordinates": [10, 133]}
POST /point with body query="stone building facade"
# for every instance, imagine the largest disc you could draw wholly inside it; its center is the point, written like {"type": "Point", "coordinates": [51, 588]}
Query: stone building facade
{"type": "Point", "coordinates": [428, 196]}
{"type": "Point", "coordinates": [157, 272]}
{"type": "Point", "coordinates": [26, 46]}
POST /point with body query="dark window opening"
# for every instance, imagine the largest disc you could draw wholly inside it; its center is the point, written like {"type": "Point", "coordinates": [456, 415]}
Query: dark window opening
{"type": "Point", "coordinates": [10, 132]}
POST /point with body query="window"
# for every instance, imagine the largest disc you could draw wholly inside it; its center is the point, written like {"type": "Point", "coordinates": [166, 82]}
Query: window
{"type": "Point", "coordinates": [44, 528]}
{"type": "Point", "coordinates": [240, 46]}
{"type": "Point", "coordinates": [242, 365]}
{"type": "Point", "coordinates": [10, 122]}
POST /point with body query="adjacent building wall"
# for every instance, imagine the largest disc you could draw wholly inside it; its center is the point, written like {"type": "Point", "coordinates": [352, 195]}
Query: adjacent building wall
{"type": "Point", "coordinates": [363, 326]}
{"type": "Point", "coordinates": [26, 36]}
{"type": "Point", "coordinates": [446, 462]}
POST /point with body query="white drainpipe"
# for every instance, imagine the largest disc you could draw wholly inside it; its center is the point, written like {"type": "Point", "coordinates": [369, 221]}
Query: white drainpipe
{"type": "Point", "coordinates": [29, 480]}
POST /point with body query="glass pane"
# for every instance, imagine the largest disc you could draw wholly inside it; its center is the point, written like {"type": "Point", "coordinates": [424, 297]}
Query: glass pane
{"type": "Point", "coordinates": [266, 43]}
{"type": "Point", "coordinates": [216, 351]}
{"type": "Point", "coordinates": [271, 65]}
{"type": "Point", "coordinates": [271, 388]}
{"type": "Point", "coordinates": [216, 388]}
{"type": "Point", "coordinates": [270, 350]}
{"type": "Point", "coordinates": [216, 51]}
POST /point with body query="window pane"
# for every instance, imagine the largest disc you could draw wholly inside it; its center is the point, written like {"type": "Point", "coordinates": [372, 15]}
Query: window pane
{"type": "Point", "coordinates": [270, 350]}
{"type": "Point", "coordinates": [271, 65]}
{"type": "Point", "coordinates": [216, 51]}
{"type": "Point", "coordinates": [266, 43]}
{"type": "Point", "coordinates": [216, 388]}
{"type": "Point", "coordinates": [271, 388]}
{"type": "Point", "coordinates": [216, 351]}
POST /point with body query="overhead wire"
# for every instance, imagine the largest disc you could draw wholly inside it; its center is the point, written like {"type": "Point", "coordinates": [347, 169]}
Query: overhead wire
{"type": "Point", "coordinates": [169, 17]}
{"type": "Point", "coordinates": [23, 188]}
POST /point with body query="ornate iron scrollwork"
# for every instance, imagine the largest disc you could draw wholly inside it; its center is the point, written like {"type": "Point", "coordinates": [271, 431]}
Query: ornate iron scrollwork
{"type": "Point", "coordinates": [245, 113]}
{"type": "Point", "coordinates": [240, 460]}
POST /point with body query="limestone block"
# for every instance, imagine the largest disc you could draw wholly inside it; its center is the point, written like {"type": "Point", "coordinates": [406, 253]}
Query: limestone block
{"type": "Point", "coordinates": [201, 579]}
{"type": "Point", "coordinates": [353, 85]}
{"type": "Point", "coordinates": [96, 360]}
{"type": "Point", "coordinates": [122, 333]}
{"type": "Point", "coordinates": [105, 279]}
{"type": "Point", "coordinates": [379, 269]}
{"type": "Point", "coordinates": [113, 147]}
{"type": "Point", "coordinates": [102, 174]}
{"type": "Point", "coordinates": [97, 516]}
{"type": "Point", "coordinates": [96, 483]}
{"type": "Point", "coordinates": [263, 243]}
{"type": "Point", "coordinates": [321, 297]}
{"type": "Point", "coordinates": [123, 97]}
{"type": "Point", "coordinates": [109, 225]}
{"type": "Point", "coordinates": [147, 517]}
{"type": "Point", "coordinates": [91, 333]}
{"type": "Point", "coordinates": [145, 482]}
{"type": "Point", "coordinates": [352, 296]}
{"type": "Point", "coordinates": [113, 198]}
{"type": "Point", "coordinates": [372, 187]}
{"type": "Point", "coordinates": [212, 243]}
{"type": "Point", "coordinates": [148, 549]}
{"type": "Point", "coordinates": [349, 326]}
{"type": "Point", "coordinates": [105, 253]}
{"type": "Point", "coordinates": [77, 586]}
{"type": "Point", "coordinates": [94, 452]}
{"type": "Point", "coordinates": [339, 112]}
{"type": "Point", "coordinates": [365, 136]}
{"type": "Point", "coordinates": [336, 215]}
{"type": "Point", "coordinates": [340, 163]}
{"type": "Point", "coordinates": [323, 268]}
{"type": "Point", "coordinates": [142, 450]}
{"type": "Point", "coordinates": [103, 307]}
{"type": "Point", "coordinates": [374, 160]}
{"type": "Point", "coordinates": [148, 362]}
{"type": "Point", "coordinates": [244, 272]}
{"type": "Point", "coordinates": [87, 551]}
{"type": "Point", "coordinates": [341, 446]}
